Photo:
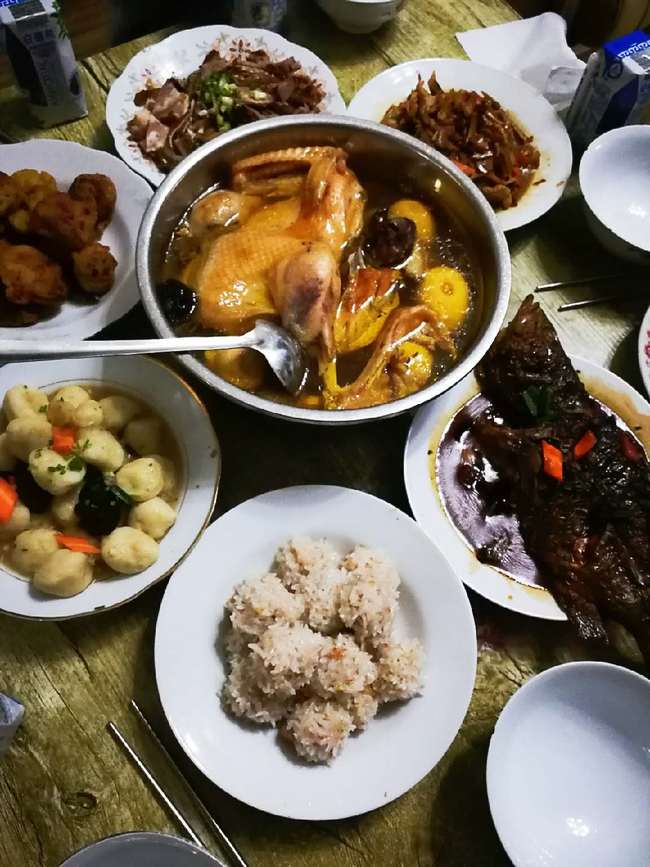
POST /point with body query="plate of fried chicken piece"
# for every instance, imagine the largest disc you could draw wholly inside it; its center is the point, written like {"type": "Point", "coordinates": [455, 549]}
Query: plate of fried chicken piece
{"type": "Point", "coordinates": [69, 219]}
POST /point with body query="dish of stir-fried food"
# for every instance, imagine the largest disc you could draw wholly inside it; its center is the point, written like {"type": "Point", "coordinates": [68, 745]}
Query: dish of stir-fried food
{"type": "Point", "coordinates": [227, 90]}
{"type": "Point", "coordinates": [549, 466]}
{"type": "Point", "coordinates": [379, 288]}
{"type": "Point", "coordinates": [50, 242]}
{"type": "Point", "coordinates": [476, 133]}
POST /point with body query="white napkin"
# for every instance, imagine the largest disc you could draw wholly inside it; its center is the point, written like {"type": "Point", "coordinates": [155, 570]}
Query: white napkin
{"type": "Point", "coordinates": [533, 49]}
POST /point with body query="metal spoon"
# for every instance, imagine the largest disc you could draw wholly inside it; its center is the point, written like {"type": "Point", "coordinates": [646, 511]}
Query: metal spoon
{"type": "Point", "coordinates": [282, 351]}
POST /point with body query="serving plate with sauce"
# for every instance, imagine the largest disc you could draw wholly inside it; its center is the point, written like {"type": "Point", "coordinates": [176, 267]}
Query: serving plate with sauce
{"type": "Point", "coordinates": [464, 511]}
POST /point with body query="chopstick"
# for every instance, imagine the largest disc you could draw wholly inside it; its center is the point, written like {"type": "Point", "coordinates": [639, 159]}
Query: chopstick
{"type": "Point", "coordinates": [174, 812]}
{"type": "Point", "coordinates": [233, 853]}
{"type": "Point", "coordinates": [586, 281]}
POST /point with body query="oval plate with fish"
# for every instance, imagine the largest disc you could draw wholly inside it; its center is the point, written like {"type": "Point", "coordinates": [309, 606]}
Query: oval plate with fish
{"type": "Point", "coordinates": [438, 438]}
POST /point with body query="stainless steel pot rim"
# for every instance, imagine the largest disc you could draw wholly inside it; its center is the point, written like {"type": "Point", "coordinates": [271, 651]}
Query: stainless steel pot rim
{"type": "Point", "coordinates": [320, 416]}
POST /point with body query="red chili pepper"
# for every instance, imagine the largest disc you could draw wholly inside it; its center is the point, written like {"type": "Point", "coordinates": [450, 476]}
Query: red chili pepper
{"type": "Point", "coordinates": [584, 445]}
{"type": "Point", "coordinates": [552, 461]}
{"type": "Point", "coordinates": [465, 169]}
{"type": "Point", "coordinates": [630, 447]}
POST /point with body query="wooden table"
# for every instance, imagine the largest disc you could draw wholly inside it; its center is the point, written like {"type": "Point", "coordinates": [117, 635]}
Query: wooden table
{"type": "Point", "coordinates": [64, 783]}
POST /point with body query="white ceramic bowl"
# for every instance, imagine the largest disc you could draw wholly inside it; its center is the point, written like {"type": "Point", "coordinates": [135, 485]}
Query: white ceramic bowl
{"type": "Point", "coordinates": [568, 771]}
{"type": "Point", "coordinates": [361, 16]}
{"type": "Point", "coordinates": [142, 849]}
{"type": "Point", "coordinates": [171, 398]}
{"type": "Point", "coordinates": [615, 183]}
{"type": "Point", "coordinates": [401, 745]}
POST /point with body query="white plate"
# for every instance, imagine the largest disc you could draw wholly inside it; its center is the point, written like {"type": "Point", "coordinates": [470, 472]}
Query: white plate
{"type": "Point", "coordinates": [169, 396]}
{"type": "Point", "coordinates": [182, 53]}
{"type": "Point", "coordinates": [142, 849]}
{"type": "Point", "coordinates": [65, 160]}
{"type": "Point", "coordinates": [401, 745]}
{"type": "Point", "coordinates": [427, 429]}
{"type": "Point", "coordinates": [535, 114]}
{"type": "Point", "coordinates": [644, 350]}
{"type": "Point", "coordinates": [568, 771]}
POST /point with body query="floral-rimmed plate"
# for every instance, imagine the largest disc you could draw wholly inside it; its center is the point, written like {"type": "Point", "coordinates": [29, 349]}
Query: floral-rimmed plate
{"type": "Point", "coordinates": [644, 350]}
{"type": "Point", "coordinates": [401, 744]}
{"type": "Point", "coordinates": [420, 475]}
{"type": "Point", "coordinates": [180, 54]}
{"type": "Point", "coordinates": [64, 160]}
{"type": "Point", "coordinates": [158, 387]}
{"type": "Point", "coordinates": [535, 114]}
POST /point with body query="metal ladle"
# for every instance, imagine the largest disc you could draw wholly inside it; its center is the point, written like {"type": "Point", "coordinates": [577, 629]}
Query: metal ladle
{"type": "Point", "coordinates": [282, 351]}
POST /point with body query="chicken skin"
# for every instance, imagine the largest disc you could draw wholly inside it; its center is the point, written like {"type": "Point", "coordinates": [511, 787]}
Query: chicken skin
{"type": "Point", "coordinates": [66, 221]}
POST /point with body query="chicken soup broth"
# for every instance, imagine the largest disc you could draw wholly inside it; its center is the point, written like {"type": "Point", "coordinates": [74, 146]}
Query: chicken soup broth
{"type": "Point", "coordinates": [140, 433]}
{"type": "Point", "coordinates": [380, 285]}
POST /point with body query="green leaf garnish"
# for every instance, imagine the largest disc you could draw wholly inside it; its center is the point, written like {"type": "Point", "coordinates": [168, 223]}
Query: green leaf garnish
{"type": "Point", "coordinates": [121, 494]}
{"type": "Point", "coordinates": [75, 463]}
{"type": "Point", "coordinates": [537, 399]}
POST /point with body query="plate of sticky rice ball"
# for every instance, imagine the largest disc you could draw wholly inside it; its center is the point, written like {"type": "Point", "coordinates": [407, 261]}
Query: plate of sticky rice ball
{"type": "Point", "coordinates": [315, 653]}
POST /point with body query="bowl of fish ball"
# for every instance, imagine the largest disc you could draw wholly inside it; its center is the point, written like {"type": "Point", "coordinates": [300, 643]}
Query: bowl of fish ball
{"type": "Point", "coordinates": [387, 266]}
{"type": "Point", "coordinates": [108, 474]}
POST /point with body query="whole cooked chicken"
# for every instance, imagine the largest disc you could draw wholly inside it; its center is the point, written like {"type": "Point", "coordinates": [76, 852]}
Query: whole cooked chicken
{"type": "Point", "coordinates": [366, 283]}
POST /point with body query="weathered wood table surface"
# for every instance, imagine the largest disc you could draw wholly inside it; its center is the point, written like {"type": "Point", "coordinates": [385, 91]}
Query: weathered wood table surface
{"type": "Point", "coordinates": [64, 783]}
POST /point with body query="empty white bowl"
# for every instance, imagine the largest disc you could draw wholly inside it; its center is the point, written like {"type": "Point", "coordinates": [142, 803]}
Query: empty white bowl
{"type": "Point", "coordinates": [142, 849]}
{"type": "Point", "coordinates": [361, 16]}
{"type": "Point", "coordinates": [615, 183]}
{"type": "Point", "coordinates": [568, 771]}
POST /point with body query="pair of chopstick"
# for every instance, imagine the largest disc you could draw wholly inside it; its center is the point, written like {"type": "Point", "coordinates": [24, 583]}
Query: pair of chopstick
{"type": "Point", "coordinates": [587, 281]}
{"type": "Point", "coordinates": [233, 853]}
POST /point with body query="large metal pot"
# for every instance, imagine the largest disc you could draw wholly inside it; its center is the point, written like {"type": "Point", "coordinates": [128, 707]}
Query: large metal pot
{"type": "Point", "coordinates": [398, 157]}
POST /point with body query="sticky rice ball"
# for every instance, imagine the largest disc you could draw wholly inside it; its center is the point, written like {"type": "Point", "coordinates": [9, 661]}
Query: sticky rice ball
{"type": "Point", "coordinates": [127, 550]}
{"type": "Point", "coordinates": [63, 573]}
{"type": "Point", "coordinates": [31, 548]}
{"type": "Point", "coordinates": [258, 603]}
{"type": "Point", "coordinates": [362, 707]}
{"type": "Point", "coordinates": [89, 414]}
{"type": "Point", "coordinates": [27, 433]}
{"type": "Point", "coordinates": [368, 599]}
{"type": "Point", "coordinates": [244, 698]}
{"type": "Point", "coordinates": [343, 668]}
{"type": "Point", "coordinates": [318, 729]}
{"type": "Point", "coordinates": [63, 508]}
{"type": "Point", "coordinates": [22, 400]}
{"type": "Point", "coordinates": [301, 557]}
{"type": "Point", "coordinates": [399, 670]}
{"type": "Point", "coordinates": [285, 657]}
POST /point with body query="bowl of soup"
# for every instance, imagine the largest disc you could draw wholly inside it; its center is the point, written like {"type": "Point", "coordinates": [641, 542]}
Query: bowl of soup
{"type": "Point", "coordinates": [370, 247]}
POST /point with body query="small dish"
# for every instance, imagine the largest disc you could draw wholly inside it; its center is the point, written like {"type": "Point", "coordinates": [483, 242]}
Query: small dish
{"type": "Point", "coordinates": [180, 54]}
{"type": "Point", "coordinates": [168, 395]}
{"type": "Point", "coordinates": [65, 160]}
{"type": "Point", "coordinates": [429, 425]}
{"type": "Point", "coordinates": [361, 16]}
{"type": "Point", "coordinates": [142, 849]}
{"type": "Point", "coordinates": [615, 182]}
{"type": "Point", "coordinates": [535, 115]}
{"type": "Point", "coordinates": [246, 761]}
{"type": "Point", "coordinates": [644, 350]}
{"type": "Point", "coordinates": [568, 770]}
